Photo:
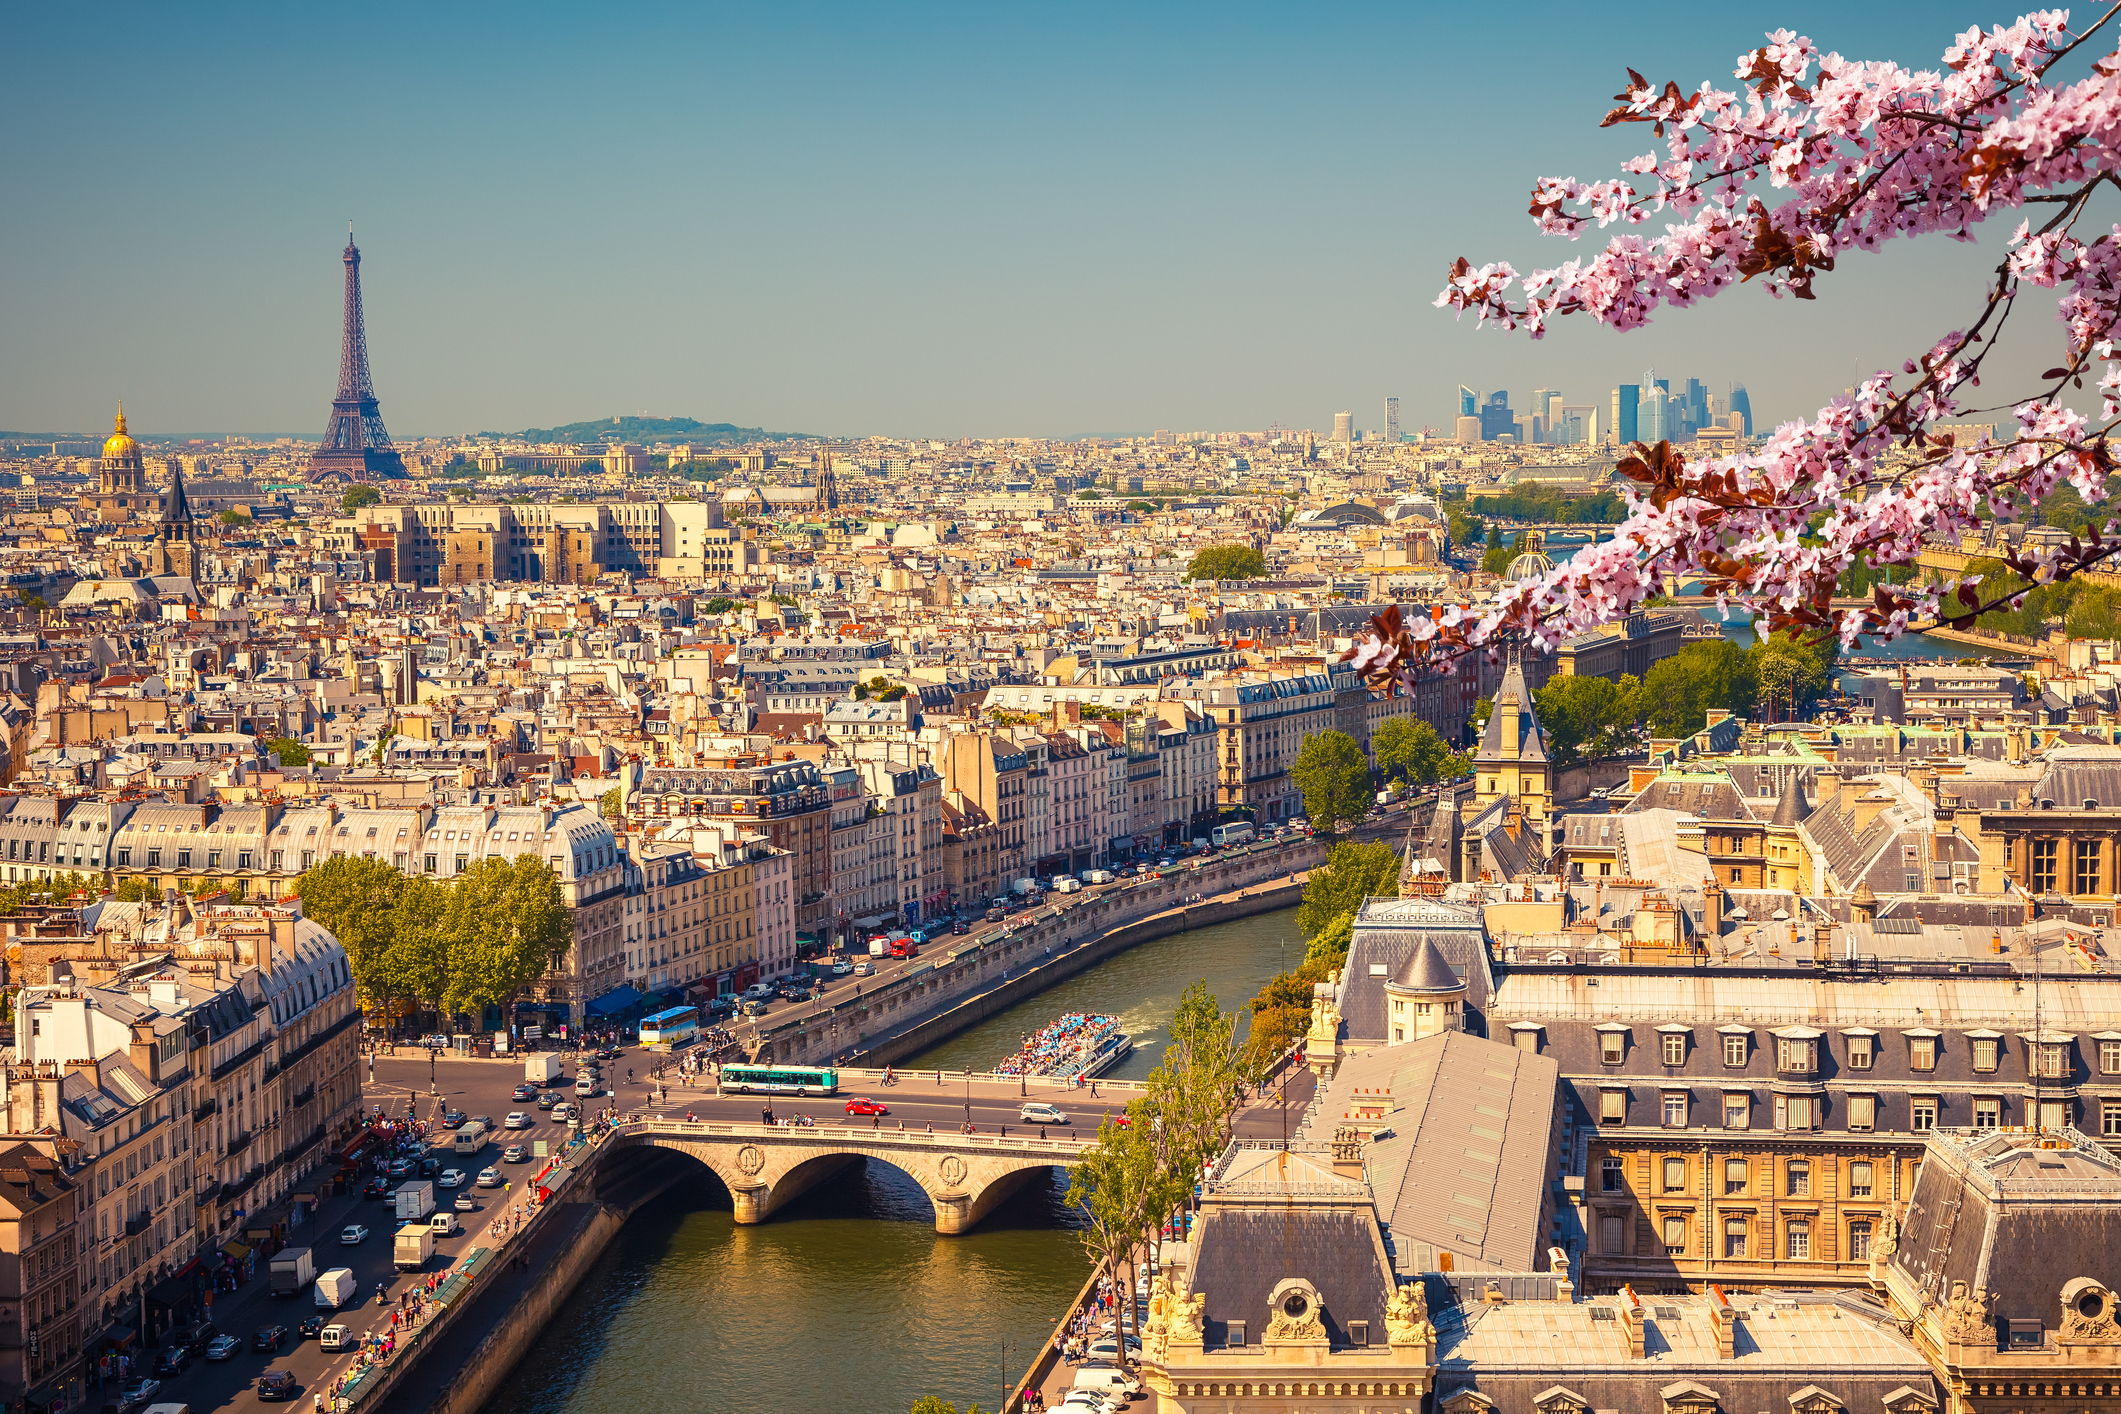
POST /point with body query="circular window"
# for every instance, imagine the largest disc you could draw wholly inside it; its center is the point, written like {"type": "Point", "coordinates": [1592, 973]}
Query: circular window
{"type": "Point", "coordinates": [1294, 1305]}
{"type": "Point", "coordinates": [2090, 1305]}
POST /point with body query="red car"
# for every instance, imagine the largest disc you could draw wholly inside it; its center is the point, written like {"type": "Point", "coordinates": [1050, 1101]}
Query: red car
{"type": "Point", "coordinates": [866, 1107]}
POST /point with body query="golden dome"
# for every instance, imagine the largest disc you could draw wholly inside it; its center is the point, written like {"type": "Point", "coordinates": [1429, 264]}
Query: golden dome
{"type": "Point", "coordinates": [120, 447]}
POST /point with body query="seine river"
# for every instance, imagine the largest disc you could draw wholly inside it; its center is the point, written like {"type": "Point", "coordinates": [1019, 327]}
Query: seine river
{"type": "Point", "coordinates": [847, 1302]}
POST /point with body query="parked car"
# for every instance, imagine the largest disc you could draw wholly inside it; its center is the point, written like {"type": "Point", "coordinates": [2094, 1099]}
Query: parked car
{"type": "Point", "coordinates": [515, 1154]}
{"type": "Point", "coordinates": [524, 1092]}
{"type": "Point", "coordinates": [489, 1178]}
{"type": "Point", "coordinates": [352, 1235]}
{"type": "Point", "coordinates": [269, 1339]}
{"type": "Point", "coordinates": [278, 1385]}
{"type": "Point", "coordinates": [1039, 1112]}
{"type": "Point", "coordinates": [862, 1105]}
{"type": "Point", "coordinates": [221, 1347]}
{"type": "Point", "coordinates": [517, 1120]}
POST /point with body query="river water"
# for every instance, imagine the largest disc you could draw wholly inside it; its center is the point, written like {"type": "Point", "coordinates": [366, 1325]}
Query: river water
{"type": "Point", "coordinates": [847, 1301]}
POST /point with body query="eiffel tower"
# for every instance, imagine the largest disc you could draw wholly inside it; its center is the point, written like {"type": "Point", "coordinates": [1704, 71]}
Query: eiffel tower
{"type": "Point", "coordinates": [355, 446]}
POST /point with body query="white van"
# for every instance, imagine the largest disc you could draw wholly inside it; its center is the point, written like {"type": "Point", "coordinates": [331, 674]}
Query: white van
{"type": "Point", "coordinates": [444, 1223]}
{"type": "Point", "coordinates": [1108, 1380]}
{"type": "Point", "coordinates": [1039, 1112]}
{"type": "Point", "coordinates": [336, 1337]}
{"type": "Point", "coordinates": [585, 1084]}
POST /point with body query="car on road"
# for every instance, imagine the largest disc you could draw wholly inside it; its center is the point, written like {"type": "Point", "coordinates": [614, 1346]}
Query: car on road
{"type": "Point", "coordinates": [961, 927]}
{"type": "Point", "coordinates": [221, 1347]}
{"type": "Point", "coordinates": [842, 967]}
{"type": "Point", "coordinates": [863, 1105]}
{"type": "Point", "coordinates": [489, 1178]}
{"type": "Point", "coordinates": [864, 969]}
{"type": "Point", "coordinates": [546, 1102]}
{"type": "Point", "coordinates": [465, 1203]}
{"type": "Point", "coordinates": [754, 1007]}
{"type": "Point", "coordinates": [517, 1120]}
{"type": "Point", "coordinates": [133, 1394]}
{"type": "Point", "coordinates": [352, 1235]}
{"type": "Point", "coordinates": [524, 1092]}
{"type": "Point", "coordinates": [453, 1118]}
{"type": "Point", "coordinates": [309, 1328]}
{"type": "Point", "coordinates": [400, 1168]}
{"type": "Point", "coordinates": [376, 1188]}
{"type": "Point", "coordinates": [563, 1113]}
{"type": "Point", "coordinates": [451, 1178]}
{"type": "Point", "coordinates": [608, 1053]}
{"type": "Point", "coordinates": [278, 1385]}
{"type": "Point", "coordinates": [1039, 1112]}
{"type": "Point", "coordinates": [486, 1120]}
{"type": "Point", "coordinates": [270, 1339]}
{"type": "Point", "coordinates": [515, 1154]}
{"type": "Point", "coordinates": [172, 1361]}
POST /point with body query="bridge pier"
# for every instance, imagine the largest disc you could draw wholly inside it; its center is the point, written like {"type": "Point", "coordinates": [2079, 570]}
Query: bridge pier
{"type": "Point", "coordinates": [756, 1202]}
{"type": "Point", "coordinates": [957, 1211]}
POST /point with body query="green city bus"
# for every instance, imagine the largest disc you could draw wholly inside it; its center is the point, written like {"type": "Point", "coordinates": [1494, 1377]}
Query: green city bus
{"type": "Point", "coordinates": [780, 1080]}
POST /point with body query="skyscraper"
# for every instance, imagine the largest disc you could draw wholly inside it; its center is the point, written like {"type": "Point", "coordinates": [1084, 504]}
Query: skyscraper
{"type": "Point", "coordinates": [1391, 419]}
{"type": "Point", "coordinates": [1743, 406]}
{"type": "Point", "coordinates": [1468, 402]}
{"type": "Point", "coordinates": [1653, 415]}
{"type": "Point", "coordinates": [1343, 426]}
{"type": "Point", "coordinates": [1626, 399]}
{"type": "Point", "coordinates": [1496, 419]}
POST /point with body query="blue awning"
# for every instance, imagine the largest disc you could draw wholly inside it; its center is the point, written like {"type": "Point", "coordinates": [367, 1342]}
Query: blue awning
{"type": "Point", "coordinates": [617, 999]}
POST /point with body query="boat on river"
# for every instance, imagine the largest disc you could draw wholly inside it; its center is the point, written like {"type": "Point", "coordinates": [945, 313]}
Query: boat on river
{"type": "Point", "coordinates": [1075, 1046]}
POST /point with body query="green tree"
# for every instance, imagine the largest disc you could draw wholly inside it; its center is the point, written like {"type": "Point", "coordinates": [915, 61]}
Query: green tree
{"type": "Point", "coordinates": [1334, 777]}
{"type": "Point", "coordinates": [1226, 562]}
{"type": "Point", "coordinates": [1464, 529]}
{"type": "Point", "coordinates": [1090, 494]}
{"type": "Point", "coordinates": [1586, 716]}
{"type": "Point", "coordinates": [290, 751]}
{"type": "Point", "coordinates": [1497, 557]}
{"type": "Point", "coordinates": [235, 516]}
{"type": "Point", "coordinates": [1329, 946]}
{"type": "Point", "coordinates": [507, 923]}
{"type": "Point", "coordinates": [1194, 1089]}
{"type": "Point", "coordinates": [356, 899]}
{"type": "Point", "coordinates": [1791, 672]}
{"type": "Point", "coordinates": [720, 604]}
{"type": "Point", "coordinates": [1119, 1182]}
{"type": "Point", "coordinates": [1409, 750]}
{"type": "Point", "coordinates": [1678, 692]}
{"type": "Point", "coordinates": [608, 804]}
{"type": "Point", "coordinates": [357, 497]}
{"type": "Point", "coordinates": [1352, 872]}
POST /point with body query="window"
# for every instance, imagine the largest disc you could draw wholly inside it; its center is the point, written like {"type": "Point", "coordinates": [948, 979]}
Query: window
{"type": "Point", "coordinates": [1863, 1112]}
{"type": "Point", "coordinates": [1736, 1173]}
{"type": "Point", "coordinates": [1675, 1109]}
{"type": "Point", "coordinates": [2110, 1118]}
{"type": "Point", "coordinates": [1800, 1178]}
{"type": "Point", "coordinates": [1674, 1235]}
{"type": "Point", "coordinates": [1859, 1241]}
{"type": "Point", "coordinates": [1800, 1239]}
{"type": "Point", "coordinates": [2110, 1057]}
{"type": "Point", "coordinates": [1860, 1179]}
{"type": "Point", "coordinates": [2054, 1060]}
{"type": "Point", "coordinates": [125, 857]}
{"type": "Point", "coordinates": [1796, 1112]}
{"type": "Point", "coordinates": [1611, 1046]}
{"type": "Point", "coordinates": [1737, 1111]}
{"type": "Point", "coordinates": [1613, 1107]}
{"type": "Point", "coordinates": [1988, 1113]}
{"type": "Point", "coordinates": [1984, 1053]}
{"type": "Point", "coordinates": [1922, 1114]}
{"type": "Point", "coordinates": [1526, 1040]}
{"type": "Point", "coordinates": [213, 859]}
{"type": "Point", "coordinates": [1861, 1049]}
{"type": "Point", "coordinates": [1358, 1332]}
{"type": "Point", "coordinates": [1793, 1055]}
{"type": "Point", "coordinates": [2086, 872]}
{"type": "Point", "coordinates": [1922, 1053]}
{"type": "Point", "coordinates": [2054, 1114]}
{"type": "Point", "coordinates": [1734, 1049]}
{"type": "Point", "coordinates": [1609, 1176]}
{"type": "Point", "coordinates": [1612, 1234]}
{"type": "Point", "coordinates": [2043, 871]}
{"type": "Point", "coordinates": [1734, 1231]}
{"type": "Point", "coordinates": [1675, 1048]}
{"type": "Point", "coordinates": [1236, 1331]}
{"type": "Point", "coordinates": [1675, 1175]}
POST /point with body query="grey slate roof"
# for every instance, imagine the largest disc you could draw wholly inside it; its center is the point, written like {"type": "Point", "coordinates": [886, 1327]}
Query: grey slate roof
{"type": "Point", "coordinates": [1387, 933]}
{"type": "Point", "coordinates": [1426, 971]}
{"type": "Point", "coordinates": [1243, 1252]}
{"type": "Point", "coordinates": [1529, 745]}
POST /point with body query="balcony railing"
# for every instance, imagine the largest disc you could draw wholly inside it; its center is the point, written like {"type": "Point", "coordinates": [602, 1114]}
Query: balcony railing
{"type": "Point", "coordinates": [237, 1143]}
{"type": "Point", "coordinates": [205, 1110]}
{"type": "Point", "coordinates": [304, 1095]}
{"type": "Point", "coordinates": [138, 1222]}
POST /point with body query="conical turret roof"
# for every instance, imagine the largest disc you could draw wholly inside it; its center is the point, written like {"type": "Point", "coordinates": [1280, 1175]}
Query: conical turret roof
{"type": "Point", "coordinates": [1425, 970]}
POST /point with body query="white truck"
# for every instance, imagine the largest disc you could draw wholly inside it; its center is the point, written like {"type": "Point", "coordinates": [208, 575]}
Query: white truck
{"type": "Point", "coordinates": [1024, 888]}
{"type": "Point", "coordinates": [1066, 885]}
{"type": "Point", "coordinates": [336, 1288]}
{"type": "Point", "coordinates": [291, 1271]}
{"type": "Point", "coordinates": [541, 1067]}
{"type": "Point", "coordinates": [1097, 876]}
{"type": "Point", "coordinates": [415, 1244]}
{"type": "Point", "coordinates": [415, 1201]}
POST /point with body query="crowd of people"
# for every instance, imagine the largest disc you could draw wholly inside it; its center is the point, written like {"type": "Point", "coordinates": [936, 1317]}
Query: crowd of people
{"type": "Point", "coordinates": [1070, 1038]}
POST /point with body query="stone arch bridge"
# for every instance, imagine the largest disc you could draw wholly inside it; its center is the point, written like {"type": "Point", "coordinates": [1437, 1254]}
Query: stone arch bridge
{"type": "Point", "coordinates": [765, 1166]}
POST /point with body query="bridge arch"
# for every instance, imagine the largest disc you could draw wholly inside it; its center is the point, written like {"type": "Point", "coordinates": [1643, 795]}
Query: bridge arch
{"type": "Point", "coordinates": [764, 1168]}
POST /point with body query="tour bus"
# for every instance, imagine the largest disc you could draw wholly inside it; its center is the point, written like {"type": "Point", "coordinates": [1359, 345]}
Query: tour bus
{"type": "Point", "coordinates": [668, 1030]}
{"type": "Point", "coordinates": [1236, 832]}
{"type": "Point", "coordinates": [780, 1079]}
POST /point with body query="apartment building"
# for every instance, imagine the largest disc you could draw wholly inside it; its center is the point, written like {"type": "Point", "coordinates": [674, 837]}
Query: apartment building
{"type": "Point", "coordinates": [1261, 722]}
{"type": "Point", "coordinates": [992, 771]}
{"type": "Point", "coordinates": [545, 543]}
{"type": "Point", "coordinates": [785, 801]}
{"type": "Point", "coordinates": [41, 1236]}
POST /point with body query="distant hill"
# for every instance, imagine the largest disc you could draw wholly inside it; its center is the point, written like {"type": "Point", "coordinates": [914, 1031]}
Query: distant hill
{"type": "Point", "coordinates": [650, 429]}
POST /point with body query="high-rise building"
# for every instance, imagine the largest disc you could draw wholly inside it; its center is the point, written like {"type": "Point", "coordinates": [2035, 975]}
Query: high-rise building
{"type": "Point", "coordinates": [1496, 419]}
{"type": "Point", "coordinates": [1391, 419]}
{"type": "Point", "coordinates": [1343, 426]}
{"type": "Point", "coordinates": [1697, 401]}
{"type": "Point", "coordinates": [1626, 398]}
{"type": "Point", "coordinates": [1653, 416]}
{"type": "Point", "coordinates": [1468, 402]}
{"type": "Point", "coordinates": [1743, 406]}
{"type": "Point", "coordinates": [1467, 429]}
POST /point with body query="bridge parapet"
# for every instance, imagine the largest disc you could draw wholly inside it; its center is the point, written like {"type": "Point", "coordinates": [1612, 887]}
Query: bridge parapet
{"type": "Point", "coordinates": [764, 1166]}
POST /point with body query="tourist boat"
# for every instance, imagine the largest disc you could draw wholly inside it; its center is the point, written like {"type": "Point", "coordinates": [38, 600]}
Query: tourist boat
{"type": "Point", "coordinates": [1077, 1045]}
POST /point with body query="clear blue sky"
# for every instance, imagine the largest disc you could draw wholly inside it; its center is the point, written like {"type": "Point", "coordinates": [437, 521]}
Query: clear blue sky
{"type": "Point", "coordinates": [852, 219]}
